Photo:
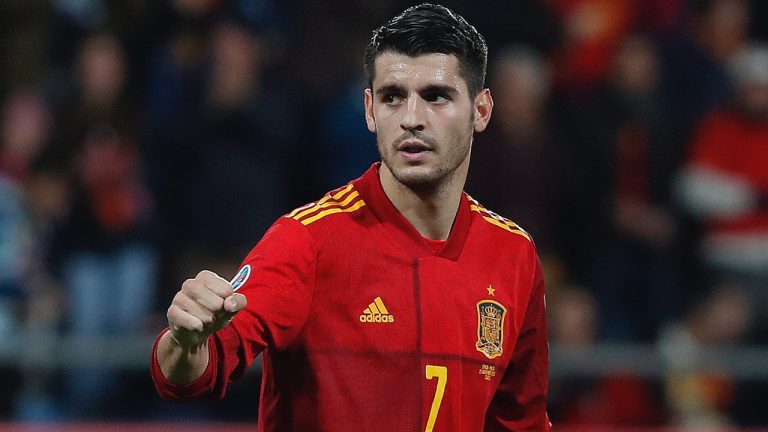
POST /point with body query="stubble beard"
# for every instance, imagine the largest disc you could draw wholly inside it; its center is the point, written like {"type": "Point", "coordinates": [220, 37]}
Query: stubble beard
{"type": "Point", "coordinates": [433, 180]}
{"type": "Point", "coordinates": [424, 180]}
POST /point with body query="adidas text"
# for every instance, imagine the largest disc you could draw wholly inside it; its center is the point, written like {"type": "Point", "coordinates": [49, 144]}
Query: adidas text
{"type": "Point", "coordinates": [371, 318]}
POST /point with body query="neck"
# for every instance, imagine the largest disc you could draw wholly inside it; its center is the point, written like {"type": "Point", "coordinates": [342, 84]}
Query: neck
{"type": "Point", "coordinates": [431, 210]}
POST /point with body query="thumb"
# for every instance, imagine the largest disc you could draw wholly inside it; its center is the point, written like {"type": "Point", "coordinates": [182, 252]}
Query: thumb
{"type": "Point", "coordinates": [235, 303]}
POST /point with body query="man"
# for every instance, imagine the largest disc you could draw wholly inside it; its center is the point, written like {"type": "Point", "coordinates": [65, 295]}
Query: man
{"type": "Point", "coordinates": [395, 302]}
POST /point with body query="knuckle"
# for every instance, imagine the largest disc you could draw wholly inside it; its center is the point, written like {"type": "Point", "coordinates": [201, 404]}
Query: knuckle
{"type": "Point", "coordinates": [218, 304]}
{"type": "Point", "coordinates": [175, 316]}
{"type": "Point", "coordinates": [199, 326]}
{"type": "Point", "coordinates": [206, 318]}
{"type": "Point", "coordinates": [226, 290]}
{"type": "Point", "coordinates": [178, 298]}
{"type": "Point", "coordinates": [188, 284]}
{"type": "Point", "coordinates": [204, 274]}
{"type": "Point", "coordinates": [171, 312]}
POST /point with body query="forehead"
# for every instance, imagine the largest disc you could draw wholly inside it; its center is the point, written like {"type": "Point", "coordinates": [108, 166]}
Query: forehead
{"type": "Point", "coordinates": [393, 68]}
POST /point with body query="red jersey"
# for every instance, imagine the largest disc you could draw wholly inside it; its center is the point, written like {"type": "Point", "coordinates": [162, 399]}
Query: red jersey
{"type": "Point", "coordinates": [364, 327]}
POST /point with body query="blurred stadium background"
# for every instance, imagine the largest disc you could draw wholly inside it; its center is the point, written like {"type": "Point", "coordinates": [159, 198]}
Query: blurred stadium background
{"type": "Point", "coordinates": [141, 141]}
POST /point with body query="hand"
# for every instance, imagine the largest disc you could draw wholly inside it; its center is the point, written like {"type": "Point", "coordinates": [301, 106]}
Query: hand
{"type": "Point", "coordinates": [204, 305]}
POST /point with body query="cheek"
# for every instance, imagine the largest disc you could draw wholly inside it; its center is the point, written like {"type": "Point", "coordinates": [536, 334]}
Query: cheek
{"type": "Point", "coordinates": [461, 127]}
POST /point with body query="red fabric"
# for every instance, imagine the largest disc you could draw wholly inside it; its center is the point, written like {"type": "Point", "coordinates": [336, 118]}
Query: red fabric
{"type": "Point", "coordinates": [313, 287]}
{"type": "Point", "coordinates": [731, 144]}
{"type": "Point", "coordinates": [435, 245]}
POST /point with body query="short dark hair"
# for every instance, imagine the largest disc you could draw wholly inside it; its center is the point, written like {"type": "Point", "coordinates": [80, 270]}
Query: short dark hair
{"type": "Point", "coordinates": [428, 29]}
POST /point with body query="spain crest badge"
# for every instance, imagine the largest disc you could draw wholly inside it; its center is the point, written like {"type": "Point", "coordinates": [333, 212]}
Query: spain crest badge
{"type": "Point", "coordinates": [490, 328]}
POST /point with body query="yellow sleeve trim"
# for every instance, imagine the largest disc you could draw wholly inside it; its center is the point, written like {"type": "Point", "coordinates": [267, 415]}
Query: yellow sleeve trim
{"type": "Point", "coordinates": [303, 209]}
{"type": "Point", "coordinates": [343, 201]}
{"type": "Point", "coordinates": [325, 213]}
{"type": "Point", "coordinates": [497, 220]}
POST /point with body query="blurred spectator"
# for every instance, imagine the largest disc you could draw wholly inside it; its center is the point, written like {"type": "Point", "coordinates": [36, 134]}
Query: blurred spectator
{"type": "Point", "coordinates": [573, 318]}
{"type": "Point", "coordinates": [591, 32]}
{"type": "Point", "coordinates": [221, 146]}
{"type": "Point", "coordinates": [619, 399]}
{"type": "Point", "coordinates": [24, 128]}
{"type": "Point", "coordinates": [332, 33]}
{"type": "Point", "coordinates": [333, 137]}
{"type": "Point", "coordinates": [625, 229]}
{"type": "Point", "coordinates": [344, 147]}
{"type": "Point", "coordinates": [516, 168]}
{"type": "Point", "coordinates": [104, 248]}
{"type": "Point", "coordinates": [14, 252]}
{"type": "Point", "coordinates": [28, 295]}
{"type": "Point", "coordinates": [725, 181]}
{"type": "Point", "coordinates": [24, 131]}
{"type": "Point", "coordinates": [698, 393]}
{"type": "Point", "coordinates": [695, 76]}
{"type": "Point", "coordinates": [24, 124]}
{"type": "Point", "coordinates": [14, 245]}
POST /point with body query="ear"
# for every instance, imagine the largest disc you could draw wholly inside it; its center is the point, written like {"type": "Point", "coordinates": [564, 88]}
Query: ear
{"type": "Point", "coordinates": [370, 121]}
{"type": "Point", "coordinates": [483, 108]}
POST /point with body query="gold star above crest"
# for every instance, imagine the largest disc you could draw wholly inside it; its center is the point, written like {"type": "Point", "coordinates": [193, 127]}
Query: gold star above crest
{"type": "Point", "coordinates": [491, 290]}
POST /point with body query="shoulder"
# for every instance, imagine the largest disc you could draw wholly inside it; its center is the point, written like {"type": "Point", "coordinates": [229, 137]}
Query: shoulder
{"type": "Point", "coordinates": [299, 236]}
{"type": "Point", "coordinates": [496, 223]}
{"type": "Point", "coordinates": [336, 206]}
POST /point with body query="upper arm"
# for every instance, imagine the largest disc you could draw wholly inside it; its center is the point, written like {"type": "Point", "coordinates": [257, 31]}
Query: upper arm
{"type": "Point", "coordinates": [279, 290]}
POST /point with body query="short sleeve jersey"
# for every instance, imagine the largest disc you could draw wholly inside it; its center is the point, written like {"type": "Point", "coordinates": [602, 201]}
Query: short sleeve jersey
{"type": "Point", "coordinates": [364, 327]}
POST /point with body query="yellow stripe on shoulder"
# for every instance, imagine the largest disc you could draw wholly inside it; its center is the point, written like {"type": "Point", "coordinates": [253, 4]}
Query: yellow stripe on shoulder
{"type": "Point", "coordinates": [324, 213]}
{"type": "Point", "coordinates": [343, 200]}
{"type": "Point", "coordinates": [313, 205]}
{"type": "Point", "coordinates": [496, 219]}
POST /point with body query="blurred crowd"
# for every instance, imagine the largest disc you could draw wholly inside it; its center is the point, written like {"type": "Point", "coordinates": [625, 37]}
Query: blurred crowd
{"type": "Point", "coordinates": [141, 141]}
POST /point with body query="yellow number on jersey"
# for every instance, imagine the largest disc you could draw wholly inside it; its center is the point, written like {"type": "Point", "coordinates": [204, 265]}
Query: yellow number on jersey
{"type": "Point", "coordinates": [441, 373]}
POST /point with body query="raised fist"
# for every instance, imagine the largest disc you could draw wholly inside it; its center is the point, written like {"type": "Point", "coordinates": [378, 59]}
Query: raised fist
{"type": "Point", "coordinates": [204, 305]}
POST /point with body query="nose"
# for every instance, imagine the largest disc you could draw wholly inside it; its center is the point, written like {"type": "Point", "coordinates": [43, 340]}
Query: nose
{"type": "Point", "coordinates": [414, 115]}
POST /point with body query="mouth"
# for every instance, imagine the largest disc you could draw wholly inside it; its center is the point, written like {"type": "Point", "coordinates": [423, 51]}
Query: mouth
{"type": "Point", "coordinates": [413, 147]}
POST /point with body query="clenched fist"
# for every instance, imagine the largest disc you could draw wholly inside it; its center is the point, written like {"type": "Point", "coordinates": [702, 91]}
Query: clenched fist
{"type": "Point", "coordinates": [204, 305]}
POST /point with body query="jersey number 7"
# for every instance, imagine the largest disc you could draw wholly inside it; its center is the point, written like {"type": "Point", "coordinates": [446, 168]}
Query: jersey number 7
{"type": "Point", "coordinates": [441, 373]}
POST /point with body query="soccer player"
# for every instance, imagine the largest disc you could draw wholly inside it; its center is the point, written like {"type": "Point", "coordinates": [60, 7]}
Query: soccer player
{"type": "Point", "coordinates": [396, 302]}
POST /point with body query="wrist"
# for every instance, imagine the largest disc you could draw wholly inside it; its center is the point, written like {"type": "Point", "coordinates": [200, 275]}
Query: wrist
{"type": "Point", "coordinates": [187, 347]}
{"type": "Point", "coordinates": [179, 363]}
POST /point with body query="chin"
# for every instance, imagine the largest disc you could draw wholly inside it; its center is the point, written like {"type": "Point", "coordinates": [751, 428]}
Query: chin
{"type": "Point", "coordinates": [418, 177]}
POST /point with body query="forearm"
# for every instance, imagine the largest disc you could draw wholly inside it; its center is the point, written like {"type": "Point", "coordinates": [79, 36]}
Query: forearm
{"type": "Point", "coordinates": [178, 364]}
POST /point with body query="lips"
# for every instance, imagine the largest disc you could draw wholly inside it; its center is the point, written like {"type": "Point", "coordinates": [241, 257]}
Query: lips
{"type": "Point", "coordinates": [414, 152]}
{"type": "Point", "coordinates": [413, 147]}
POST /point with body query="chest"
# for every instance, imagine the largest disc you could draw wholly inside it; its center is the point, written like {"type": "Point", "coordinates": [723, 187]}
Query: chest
{"type": "Point", "coordinates": [371, 297]}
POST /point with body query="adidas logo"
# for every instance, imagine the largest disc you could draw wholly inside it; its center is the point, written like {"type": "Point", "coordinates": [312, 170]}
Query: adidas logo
{"type": "Point", "coordinates": [376, 312]}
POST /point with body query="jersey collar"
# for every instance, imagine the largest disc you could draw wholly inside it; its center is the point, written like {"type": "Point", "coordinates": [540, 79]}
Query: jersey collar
{"type": "Point", "coordinates": [401, 230]}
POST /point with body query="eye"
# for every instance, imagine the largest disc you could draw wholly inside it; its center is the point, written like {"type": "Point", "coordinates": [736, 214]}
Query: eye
{"type": "Point", "coordinates": [437, 98]}
{"type": "Point", "coordinates": [392, 99]}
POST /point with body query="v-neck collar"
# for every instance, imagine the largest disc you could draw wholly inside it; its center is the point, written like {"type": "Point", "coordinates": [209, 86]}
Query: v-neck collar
{"type": "Point", "coordinates": [401, 230]}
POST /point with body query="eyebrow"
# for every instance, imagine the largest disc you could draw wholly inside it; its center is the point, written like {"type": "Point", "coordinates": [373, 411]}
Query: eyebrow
{"type": "Point", "coordinates": [432, 88]}
{"type": "Point", "coordinates": [390, 88]}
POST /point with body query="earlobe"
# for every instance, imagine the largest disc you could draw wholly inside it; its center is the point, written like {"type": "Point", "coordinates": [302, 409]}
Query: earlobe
{"type": "Point", "coordinates": [370, 120]}
{"type": "Point", "coordinates": [483, 109]}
